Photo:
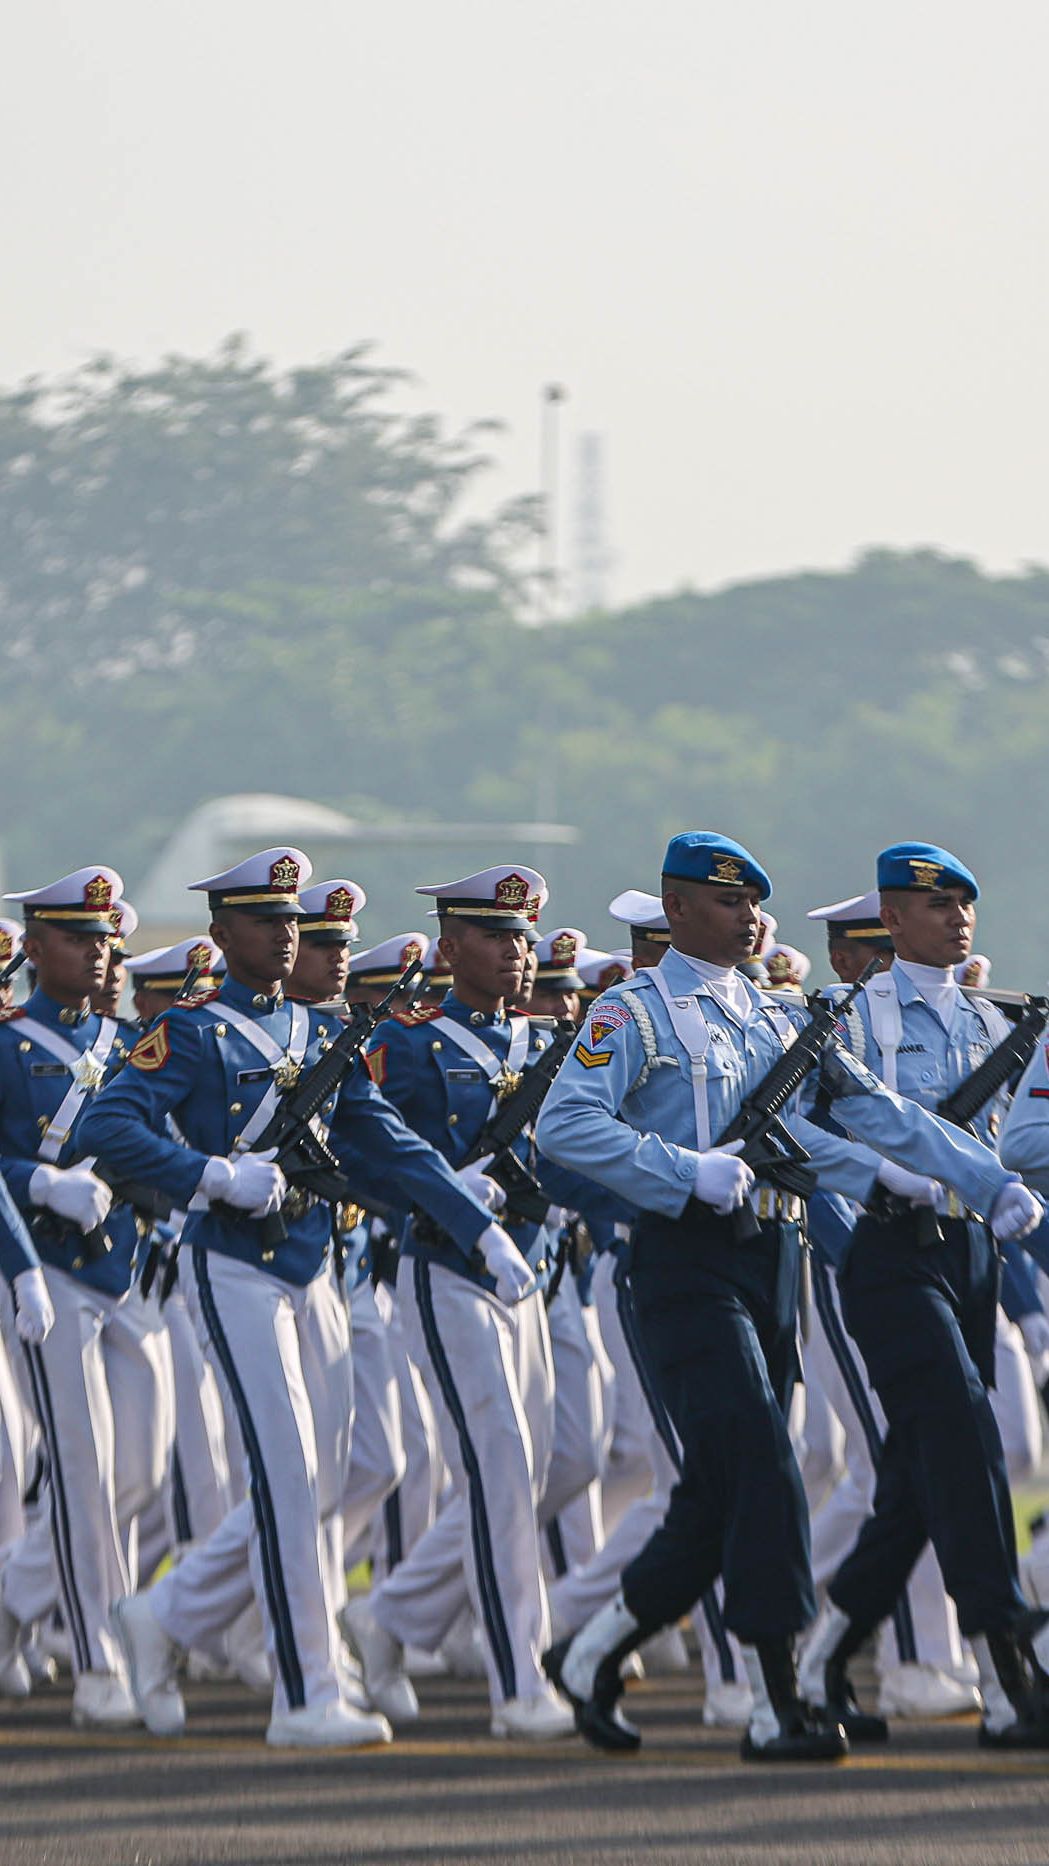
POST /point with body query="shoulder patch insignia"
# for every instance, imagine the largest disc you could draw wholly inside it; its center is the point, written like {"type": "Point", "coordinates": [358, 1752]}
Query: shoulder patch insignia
{"type": "Point", "coordinates": [418, 1014]}
{"type": "Point", "coordinates": [591, 1059]}
{"type": "Point", "coordinates": [607, 1018]}
{"type": "Point", "coordinates": [151, 1052]}
{"type": "Point", "coordinates": [375, 1063]}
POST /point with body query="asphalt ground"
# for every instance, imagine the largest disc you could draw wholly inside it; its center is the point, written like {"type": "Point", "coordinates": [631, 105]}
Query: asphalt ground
{"type": "Point", "coordinates": [449, 1793]}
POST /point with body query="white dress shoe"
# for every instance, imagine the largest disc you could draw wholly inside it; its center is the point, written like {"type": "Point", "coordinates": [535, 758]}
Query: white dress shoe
{"type": "Point", "coordinates": [15, 1680]}
{"type": "Point", "coordinates": [327, 1726]}
{"type": "Point", "coordinates": [462, 1650]}
{"type": "Point", "coordinates": [542, 1719]}
{"type": "Point", "coordinates": [728, 1704]}
{"type": "Point", "coordinates": [916, 1690]}
{"type": "Point", "coordinates": [389, 1688]}
{"type": "Point", "coordinates": [665, 1653]}
{"type": "Point", "coordinates": [152, 1659]}
{"type": "Point", "coordinates": [103, 1701]}
{"type": "Point", "coordinates": [246, 1645]}
{"type": "Point", "coordinates": [420, 1664]}
{"type": "Point", "coordinates": [41, 1666]}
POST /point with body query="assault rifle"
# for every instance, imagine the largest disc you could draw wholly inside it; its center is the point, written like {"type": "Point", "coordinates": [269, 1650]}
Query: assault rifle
{"type": "Point", "coordinates": [526, 1202]}
{"type": "Point", "coordinates": [308, 1164]}
{"type": "Point", "coordinates": [1005, 1064]}
{"type": "Point", "coordinates": [769, 1148]}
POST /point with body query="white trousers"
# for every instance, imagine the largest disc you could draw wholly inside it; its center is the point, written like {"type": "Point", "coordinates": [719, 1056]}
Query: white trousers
{"type": "Point", "coordinates": [101, 1386]}
{"type": "Point", "coordinates": [205, 1495]}
{"type": "Point", "coordinates": [1014, 1401]}
{"type": "Point", "coordinates": [411, 1509]}
{"type": "Point", "coordinates": [571, 1506]}
{"type": "Point", "coordinates": [493, 1371]}
{"type": "Point", "coordinates": [283, 1354]}
{"type": "Point", "coordinates": [649, 1471]}
{"type": "Point", "coordinates": [924, 1626]}
{"type": "Point", "coordinates": [377, 1456]}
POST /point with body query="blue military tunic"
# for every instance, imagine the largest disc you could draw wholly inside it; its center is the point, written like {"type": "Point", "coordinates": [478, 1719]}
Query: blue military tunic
{"type": "Point", "coordinates": [40, 1050]}
{"type": "Point", "coordinates": [200, 1066]}
{"type": "Point", "coordinates": [444, 1092]}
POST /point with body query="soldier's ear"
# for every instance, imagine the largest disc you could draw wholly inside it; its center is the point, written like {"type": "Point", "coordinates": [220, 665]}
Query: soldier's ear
{"type": "Point", "coordinates": [219, 932]}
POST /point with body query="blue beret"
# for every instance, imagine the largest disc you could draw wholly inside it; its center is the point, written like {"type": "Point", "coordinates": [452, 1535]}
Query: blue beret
{"type": "Point", "coordinates": [703, 855]}
{"type": "Point", "coordinates": [923, 865]}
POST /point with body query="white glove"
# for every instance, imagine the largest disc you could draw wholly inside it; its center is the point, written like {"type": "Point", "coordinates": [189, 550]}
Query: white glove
{"type": "Point", "coordinates": [476, 1180]}
{"type": "Point", "coordinates": [721, 1180]}
{"type": "Point", "coordinates": [513, 1279]}
{"type": "Point", "coordinates": [72, 1192]}
{"type": "Point", "coordinates": [1035, 1330]}
{"type": "Point", "coordinates": [1015, 1212]}
{"type": "Point", "coordinates": [34, 1314]}
{"type": "Point", "coordinates": [251, 1182]}
{"type": "Point", "coordinates": [914, 1187]}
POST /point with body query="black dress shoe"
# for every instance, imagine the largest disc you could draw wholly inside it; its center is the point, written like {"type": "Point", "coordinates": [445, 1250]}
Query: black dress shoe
{"type": "Point", "coordinates": [801, 1739]}
{"type": "Point", "coordinates": [598, 1717]}
{"type": "Point", "coordinates": [842, 1708]}
{"type": "Point", "coordinates": [1025, 1733]}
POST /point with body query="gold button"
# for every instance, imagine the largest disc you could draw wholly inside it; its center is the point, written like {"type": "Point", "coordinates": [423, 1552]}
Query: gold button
{"type": "Point", "coordinates": [267, 1256]}
{"type": "Point", "coordinates": [436, 1045]}
{"type": "Point", "coordinates": [322, 1030]}
{"type": "Point", "coordinates": [541, 1266]}
{"type": "Point", "coordinates": [540, 1043]}
{"type": "Point", "coordinates": [78, 1263]}
{"type": "Point", "coordinates": [25, 1045]}
{"type": "Point", "coordinates": [236, 1107]}
{"type": "Point", "coordinates": [43, 1123]}
{"type": "Point", "coordinates": [220, 1030]}
{"type": "Point", "coordinates": [453, 1120]}
{"type": "Point", "coordinates": [325, 1046]}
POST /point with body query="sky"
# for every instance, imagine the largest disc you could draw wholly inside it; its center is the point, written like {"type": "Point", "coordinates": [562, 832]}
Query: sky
{"type": "Point", "coordinates": [790, 261]}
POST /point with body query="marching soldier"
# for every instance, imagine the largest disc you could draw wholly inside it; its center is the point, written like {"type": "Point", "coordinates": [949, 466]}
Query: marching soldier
{"type": "Point", "coordinates": [655, 1077]}
{"type": "Point", "coordinates": [921, 1305]}
{"type": "Point", "coordinates": [218, 1067]}
{"type": "Point", "coordinates": [89, 1373]}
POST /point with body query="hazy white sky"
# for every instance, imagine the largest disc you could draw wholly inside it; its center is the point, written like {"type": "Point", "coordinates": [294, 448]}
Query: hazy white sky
{"type": "Point", "coordinates": [789, 258]}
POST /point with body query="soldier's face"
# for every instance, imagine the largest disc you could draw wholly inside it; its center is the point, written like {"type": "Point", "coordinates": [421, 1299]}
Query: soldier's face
{"type": "Point", "coordinates": [107, 999]}
{"type": "Point", "coordinates": [487, 962]}
{"type": "Point", "coordinates": [321, 970]}
{"type": "Point", "coordinates": [646, 951]}
{"type": "Point", "coordinates": [555, 1003]}
{"type": "Point", "coordinates": [260, 950]}
{"type": "Point", "coordinates": [150, 1004]}
{"type": "Point", "coordinates": [69, 965]}
{"type": "Point", "coordinates": [718, 924]}
{"type": "Point", "coordinates": [930, 926]}
{"type": "Point", "coordinates": [849, 961]}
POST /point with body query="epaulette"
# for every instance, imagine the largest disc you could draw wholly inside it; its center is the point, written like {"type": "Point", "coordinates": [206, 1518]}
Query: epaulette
{"type": "Point", "coordinates": [539, 1021]}
{"type": "Point", "coordinates": [195, 998]}
{"type": "Point", "coordinates": [417, 1014]}
{"type": "Point", "coordinates": [12, 1011]}
{"type": "Point", "coordinates": [198, 998]}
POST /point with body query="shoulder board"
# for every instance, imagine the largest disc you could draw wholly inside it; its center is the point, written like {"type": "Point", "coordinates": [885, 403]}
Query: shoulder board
{"type": "Point", "coordinates": [194, 1003]}
{"type": "Point", "coordinates": [417, 1014]}
{"type": "Point", "coordinates": [537, 1022]}
{"type": "Point", "coordinates": [13, 1011]}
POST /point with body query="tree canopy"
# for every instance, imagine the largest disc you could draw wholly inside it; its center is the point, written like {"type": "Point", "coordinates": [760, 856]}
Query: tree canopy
{"type": "Point", "coordinates": [215, 578]}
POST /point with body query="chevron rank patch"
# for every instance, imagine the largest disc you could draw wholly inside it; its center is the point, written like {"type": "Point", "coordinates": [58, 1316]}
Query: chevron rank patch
{"type": "Point", "coordinates": [375, 1063]}
{"type": "Point", "coordinates": [591, 1059]}
{"type": "Point", "coordinates": [151, 1052]}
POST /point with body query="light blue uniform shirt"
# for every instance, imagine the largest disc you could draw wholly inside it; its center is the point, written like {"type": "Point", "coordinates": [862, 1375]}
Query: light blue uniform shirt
{"type": "Point", "coordinates": [622, 1107]}
{"type": "Point", "coordinates": [1024, 1143]}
